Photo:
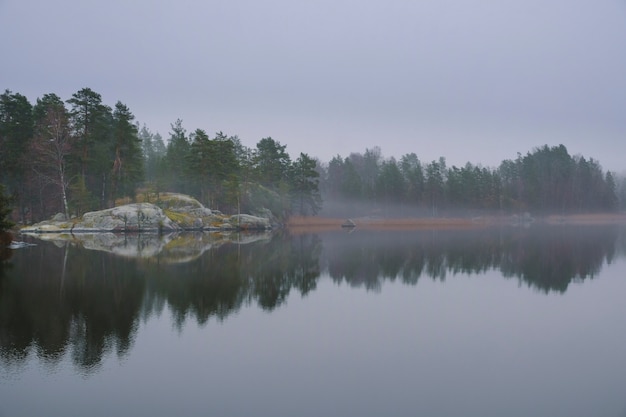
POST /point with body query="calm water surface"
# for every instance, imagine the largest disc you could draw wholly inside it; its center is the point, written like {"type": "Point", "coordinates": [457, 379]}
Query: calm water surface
{"type": "Point", "coordinates": [494, 322]}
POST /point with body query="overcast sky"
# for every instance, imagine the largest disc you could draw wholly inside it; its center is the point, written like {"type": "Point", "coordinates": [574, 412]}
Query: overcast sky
{"type": "Point", "coordinates": [475, 81]}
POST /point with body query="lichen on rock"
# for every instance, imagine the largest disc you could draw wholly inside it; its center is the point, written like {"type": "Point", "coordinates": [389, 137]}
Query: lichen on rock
{"type": "Point", "coordinates": [171, 212]}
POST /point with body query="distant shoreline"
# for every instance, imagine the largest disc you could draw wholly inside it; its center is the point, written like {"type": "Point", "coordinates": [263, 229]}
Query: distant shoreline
{"type": "Point", "coordinates": [330, 223]}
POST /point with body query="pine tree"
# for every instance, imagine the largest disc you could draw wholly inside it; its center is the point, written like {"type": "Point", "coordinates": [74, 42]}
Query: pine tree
{"type": "Point", "coordinates": [16, 130]}
{"type": "Point", "coordinates": [271, 162]}
{"type": "Point", "coordinates": [91, 123]}
{"type": "Point", "coordinates": [5, 210]}
{"type": "Point", "coordinates": [176, 157]}
{"type": "Point", "coordinates": [305, 194]}
{"type": "Point", "coordinates": [127, 168]}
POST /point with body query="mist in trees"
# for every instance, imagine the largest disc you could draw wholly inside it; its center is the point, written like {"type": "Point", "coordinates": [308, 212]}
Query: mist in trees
{"type": "Point", "coordinates": [545, 180]}
{"type": "Point", "coordinates": [80, 154]}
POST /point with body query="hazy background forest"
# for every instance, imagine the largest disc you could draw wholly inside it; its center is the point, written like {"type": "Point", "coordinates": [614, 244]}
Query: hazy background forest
{"type": "Point", "coordinates": [77, 155]}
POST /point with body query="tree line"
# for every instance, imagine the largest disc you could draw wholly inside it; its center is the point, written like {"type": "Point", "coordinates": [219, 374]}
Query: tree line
{"type": "Point", "coordinates": [547, 179]}
{"type": "Point", "coordinates": [80, 154]}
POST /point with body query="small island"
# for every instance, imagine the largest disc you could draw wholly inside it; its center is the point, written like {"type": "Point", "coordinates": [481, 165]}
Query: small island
{"type": "Point", "coordinates": [169, 212]}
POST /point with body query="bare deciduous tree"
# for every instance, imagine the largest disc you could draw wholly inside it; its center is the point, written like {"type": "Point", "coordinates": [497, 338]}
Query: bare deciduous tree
{"type": "Point", "coordinates": [50, 148]}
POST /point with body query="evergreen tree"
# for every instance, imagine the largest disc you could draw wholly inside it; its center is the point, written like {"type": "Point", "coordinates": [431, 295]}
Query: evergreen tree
{"type": "Point", "coordinates": [413, 174]}
{"type": "Point", "coordinates": [331, 185]}
{"type": "Point", "coordinates": [305, 194]}
{"type": "Point", "coordinates": [201, 164]}
{"type": "Point", "coordinates": [176, 157]}
{"type": "Point", "coordinates": [127, 169]}
{"type": "Point", "coordinates": [5, 210]}
{"type": "Point", "coordinates": [352, 184]}
{"type": "Point", "coordinates": [390, 185]}
{"type": "Point", "coordinates": [372, 161]}
{"type": "Point", "coordinates": [16, 130]}
{"type": "Point", "coordinates": [512, 184]}
{"type": "Point", "coordinates": [610, 200]}
{"type": "Point", "coordinates": [367, 168]}
{"type": "Point", "coordinates": [153, 151]}
{"type": "Point", "coordinates": [435, 184]}
{"type": "Point", "coordinates": [226, 169]}
{"type": "Point", "coordinates": [91, 123]}
{"type": "Point", "coordinates": [271, 162]}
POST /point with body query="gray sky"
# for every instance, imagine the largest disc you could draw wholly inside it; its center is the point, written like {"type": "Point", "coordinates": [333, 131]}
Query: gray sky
{"type": "Point", "coordinates": [473, 81]}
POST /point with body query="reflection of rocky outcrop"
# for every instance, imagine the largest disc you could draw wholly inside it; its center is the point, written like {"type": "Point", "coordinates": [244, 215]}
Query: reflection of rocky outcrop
{"type": "Point", "coordinates": [228, 275]}
{"type": "Point", "coordinates": [169, 248]}
{"type": "Point", "coordinates": [190, 246]}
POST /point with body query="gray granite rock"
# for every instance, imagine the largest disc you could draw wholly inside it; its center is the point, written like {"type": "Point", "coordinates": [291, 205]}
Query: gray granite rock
{"type": "Point", "coordinates": [173, 212]}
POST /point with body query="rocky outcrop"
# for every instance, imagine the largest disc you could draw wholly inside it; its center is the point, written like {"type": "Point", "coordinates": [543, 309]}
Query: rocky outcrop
{"type": "Point", "coordinates": [171, 212]}
{"type": "Point", "coordinates": [349, 223]}
{"type": "Point", "coordinates": [126, 218]}
{"type": "Point", "coordinates": [130, 217]}
{"type": "Point", "coordinates": [248, 222]}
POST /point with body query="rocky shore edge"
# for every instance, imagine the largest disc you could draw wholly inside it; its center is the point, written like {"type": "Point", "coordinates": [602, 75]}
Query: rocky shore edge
{"type": "Point", "coordinates": [170, 213]}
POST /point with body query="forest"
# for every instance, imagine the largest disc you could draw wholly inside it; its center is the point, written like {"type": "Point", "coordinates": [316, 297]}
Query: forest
{"type": "Point", "coordinates": [77, 155]}
{"type": "Point", "coordinates": [81, 155]}
{"type": "Point", "coordinates": [547, 180]}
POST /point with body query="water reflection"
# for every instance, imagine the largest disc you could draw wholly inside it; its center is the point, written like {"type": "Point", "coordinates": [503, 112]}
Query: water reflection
{"type": "Point", "coordinates": [545, 258]}
{"type": "Point", "coordinates": [61, 297]}
{"type": "Point", "coordinates": [85, 300]}
{"type": "Point", "coordinates": [55, 300]}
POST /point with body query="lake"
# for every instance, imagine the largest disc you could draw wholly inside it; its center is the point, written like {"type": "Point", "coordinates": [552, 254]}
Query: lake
{"type": "Point", "coordinates": [496, 321]}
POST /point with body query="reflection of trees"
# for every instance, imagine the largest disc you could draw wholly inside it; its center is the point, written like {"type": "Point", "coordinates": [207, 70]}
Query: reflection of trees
{"type": "Point", "coordinates": [105, 307]}
{"type": "Point", "coordinates": [224, 278]}
{"type": "Point", "coordinates": [620, 246]}
{"type": "Point", "coordinates": [546, 258]}
{"type": "Point", "coordinates": [550, 258]}
{"type": "Point", "coordinates": [65, 299]}
{"type": "Point", "coordinates": [91, 307]}
{"type": "Point", "coordinates": [55, 300]}
{"type": "Point", "coordinates": [368, 257]}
